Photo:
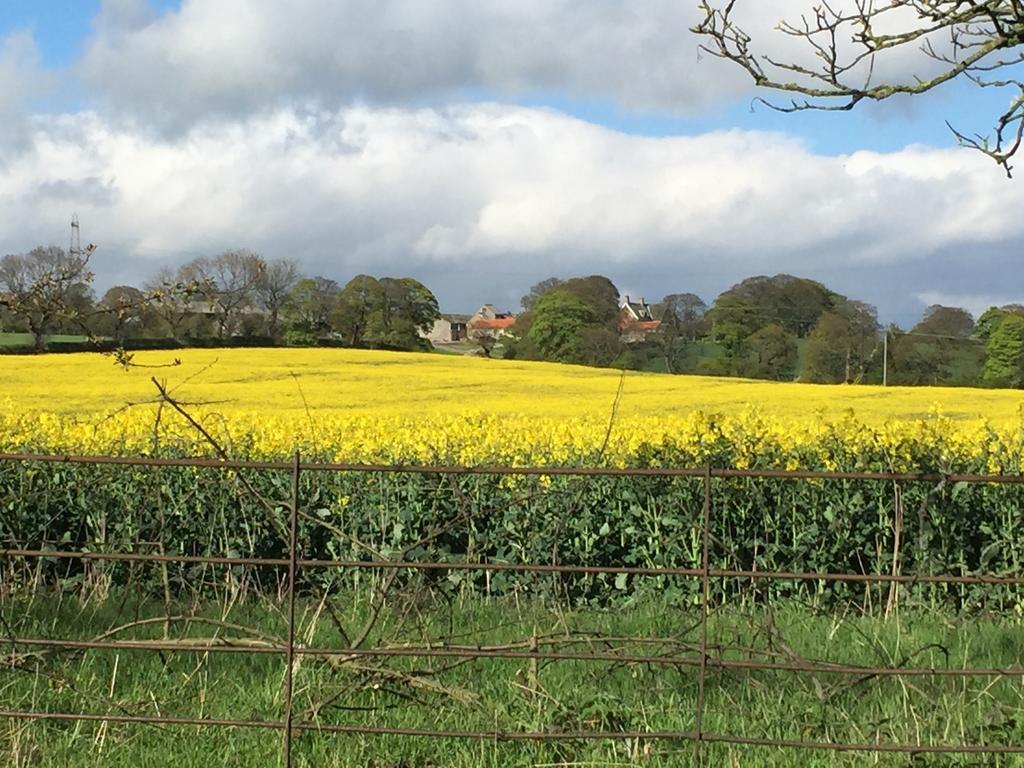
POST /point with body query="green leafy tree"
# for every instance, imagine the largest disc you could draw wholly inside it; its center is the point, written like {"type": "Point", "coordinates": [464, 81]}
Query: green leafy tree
{"type": "Point", "coordinates": [579, 322]}
{"type": "Point", "coordinates": [769, 353]}
{"type": "Point", "coordinates": [406, 309]}
{"type": "Point", "coordinates": [600, 294]}
{"type": "Point", "coordinates": [560, 319]}
{"type": "Point", "coordinates": [307, 310]}
{"type": "Point", "coordinates": [538, 290]}
{"type": "Point", "coordinates": [354, 306]}
{"type": "Point", "coordinates": [389, 312]}
{"type": "Point", "coordinates": [992, 317]}
{"type": "Point", "coordinates": [940, 349]}
{"type": "Point", "coordinates": [988, 321]}
{"type": "Point", "coordinates": [953, 322]}
{"type": "Point", "coordinates": [842, 345]}
{"type": "Point", "coordinates": [795, 303]}
{"type": "Point", "coordinates": [1004, 354]}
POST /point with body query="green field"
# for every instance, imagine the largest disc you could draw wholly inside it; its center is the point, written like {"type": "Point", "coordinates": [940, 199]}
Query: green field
{"type": "Point", "coordinates": [25, 339]}
{"type": "Point", "coordinates": [507, 695]}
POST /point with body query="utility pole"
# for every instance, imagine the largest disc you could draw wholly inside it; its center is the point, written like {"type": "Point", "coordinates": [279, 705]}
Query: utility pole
{"type": "Point", "coordinates": [885, 357]}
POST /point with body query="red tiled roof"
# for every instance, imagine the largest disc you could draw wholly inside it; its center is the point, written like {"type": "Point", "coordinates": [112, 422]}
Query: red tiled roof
{"type": "Point", "coordinates": [497, 324]}
{"type": "Point", "coordinates": [639, 325]}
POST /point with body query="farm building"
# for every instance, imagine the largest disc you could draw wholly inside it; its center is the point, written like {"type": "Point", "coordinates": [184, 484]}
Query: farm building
{"type": "Point", "coordinates": [488, 321]}
{"type": "Point", "coordinates": [636, 320]}
{"type": "Point", "coordinates": [448, 328]}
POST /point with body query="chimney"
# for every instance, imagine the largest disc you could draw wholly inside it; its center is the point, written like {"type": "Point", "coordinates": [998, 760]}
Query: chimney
{"type": "Point", "coordinates": [627, 298]}
{"type": "Point", "coordinates": [641, 300]}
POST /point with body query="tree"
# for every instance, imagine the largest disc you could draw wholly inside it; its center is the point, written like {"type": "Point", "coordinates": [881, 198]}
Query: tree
{"type": "Point", "coordinates": [389, 312]}
{"type": "Point", "coordinates": [406, 311]}
{"type": "Point", "coordinates": [356, 302]}
{"type": "Point", "coordinates": [938, 350]}
{"type": "Point", "coordinates": [486, 341]}
{"type": "Point", "coordinates": [124, 311]}
{"type": "Point", "coordinates": [273, 288]}
{"type": "Point", "coordinates": [169, 299]}
{"type": "Point", "coordinates": [795, 303]}
{"type": "Point", "coordinates": [850, 49]}
{"type": "Point", "coordinates": [45, 287]}
{"type": "Point", "coordinates": [597, 291]}
{"type": "Point", "coordinates": [601, 294]}
{"type": "Point", "coordinates": [307, 310]}
{"type": "Point", "coordinates": [228, 283]}
{"type": "Point", "coordinates": [599, 346]}
{"type": "Point", "coordinates": [538, 290]}
{"type": "Point", "coordinates": [681, 315]}
{"type": "Point", "coordinates": [951, 322]}
{"type": "Point", "coordinates": [1004, 354]}
{"type": "Point", "coordinates": [992, 317]}
{"type": "Point", "coordinates": [842, 344]}
{"type": "Point", "coordinates": [770, 353]}
{"type": "Point", "coordinates": [560, 318]}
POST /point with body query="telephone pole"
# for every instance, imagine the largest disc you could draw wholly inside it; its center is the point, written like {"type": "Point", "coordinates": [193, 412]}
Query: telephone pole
{"type": "Point", "coordinates": [885, 357]}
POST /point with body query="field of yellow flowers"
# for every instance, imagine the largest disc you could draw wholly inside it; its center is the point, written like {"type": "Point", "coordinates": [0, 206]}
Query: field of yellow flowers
{"type": "Point", "coordinates": [361, 406]}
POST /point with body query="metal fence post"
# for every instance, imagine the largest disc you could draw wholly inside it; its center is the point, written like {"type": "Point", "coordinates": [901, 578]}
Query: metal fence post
{"type": "Point", "coordinates": [293, 514]}
{"type": "Point", "coordinates": [698, 747]}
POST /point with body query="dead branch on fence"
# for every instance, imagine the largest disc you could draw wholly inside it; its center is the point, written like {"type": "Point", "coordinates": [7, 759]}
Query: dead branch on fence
{"type": "Point", "coordinates": [272, 509]}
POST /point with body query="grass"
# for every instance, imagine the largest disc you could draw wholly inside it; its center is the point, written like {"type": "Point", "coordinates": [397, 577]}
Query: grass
{"type": "Point", "coordinates": [25, 339]}
{"type": "Point", "coordinates": [513, 694]}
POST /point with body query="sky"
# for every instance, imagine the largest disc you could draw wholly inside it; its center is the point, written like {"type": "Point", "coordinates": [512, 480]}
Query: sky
{"type": "Point", "coordinates": [482, 146]}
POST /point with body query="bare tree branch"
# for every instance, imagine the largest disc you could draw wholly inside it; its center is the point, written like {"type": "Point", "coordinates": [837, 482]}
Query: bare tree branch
{"type": "Point", "coordinates": [847, 42]}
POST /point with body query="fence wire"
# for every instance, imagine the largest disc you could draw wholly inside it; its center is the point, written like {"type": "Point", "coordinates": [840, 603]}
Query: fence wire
{"type": "Point", "coordinates": [703, 656]}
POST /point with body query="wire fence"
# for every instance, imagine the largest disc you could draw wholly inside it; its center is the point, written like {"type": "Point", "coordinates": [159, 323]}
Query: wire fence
{"type": "Point", "coordinates": [706, 657]}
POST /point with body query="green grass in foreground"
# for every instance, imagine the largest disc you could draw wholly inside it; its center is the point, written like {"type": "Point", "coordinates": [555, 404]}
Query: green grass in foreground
{"type": "Point", "coordinates": [506, 694]}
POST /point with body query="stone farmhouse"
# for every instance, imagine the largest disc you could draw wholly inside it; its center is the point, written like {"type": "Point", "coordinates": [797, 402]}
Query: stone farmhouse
{"type": "Point", "coordinates": [448, 328]}
{"type": "Point", "coordinates": [636, 324]}
{"type": "Point", "coordinates": [636, 320]}
{"type": "Point", "coordinates": [488, 321]}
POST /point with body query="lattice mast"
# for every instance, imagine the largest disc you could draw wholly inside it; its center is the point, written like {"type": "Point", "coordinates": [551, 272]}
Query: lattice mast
{"type": "Point", "coordinates": [76, 237]}
{"type": "Point", "coordinates": [75, 249]}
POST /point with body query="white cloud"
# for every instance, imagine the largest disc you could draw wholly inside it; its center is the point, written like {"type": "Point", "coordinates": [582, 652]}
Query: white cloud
{"type": "Point", "coordinates": [238, 57]}
{"type": "Point", "coordinates": [21, 78]}
{"type": "Point", "coordinates": [235, 57]}
{"type": "Point", "coordinates": [493, 196]}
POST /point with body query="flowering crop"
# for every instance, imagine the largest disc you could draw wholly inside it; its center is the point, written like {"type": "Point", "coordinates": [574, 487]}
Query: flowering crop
{"type": "Point", "coordinates": [359, 406]}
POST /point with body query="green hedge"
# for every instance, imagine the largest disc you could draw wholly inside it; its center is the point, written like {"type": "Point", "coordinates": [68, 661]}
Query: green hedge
{"type": "Point", "coordinates": [787, 525]}
{"type": "Point", "coordinates": [136, 345]}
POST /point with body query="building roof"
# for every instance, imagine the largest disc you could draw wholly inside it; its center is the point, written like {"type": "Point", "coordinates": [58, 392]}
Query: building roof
{"type": "Point", "coordinates": [452, 318]}
{"type": "Point", "coordinates": [497, 324]}
{"type": "Point", "coordinates": [626, 324]}
{"type": "Point", "coordinates": [638, 310]}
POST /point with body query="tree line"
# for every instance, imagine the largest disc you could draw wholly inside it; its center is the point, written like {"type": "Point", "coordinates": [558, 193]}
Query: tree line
{"type": "Point", "coordinates": [780, 327]}
{"type": "Point", "coordinates": [235, 295]}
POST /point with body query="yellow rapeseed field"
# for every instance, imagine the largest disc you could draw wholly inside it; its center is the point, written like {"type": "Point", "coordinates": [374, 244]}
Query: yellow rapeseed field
{"type": "Point", "coordinates": [351, 405]}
